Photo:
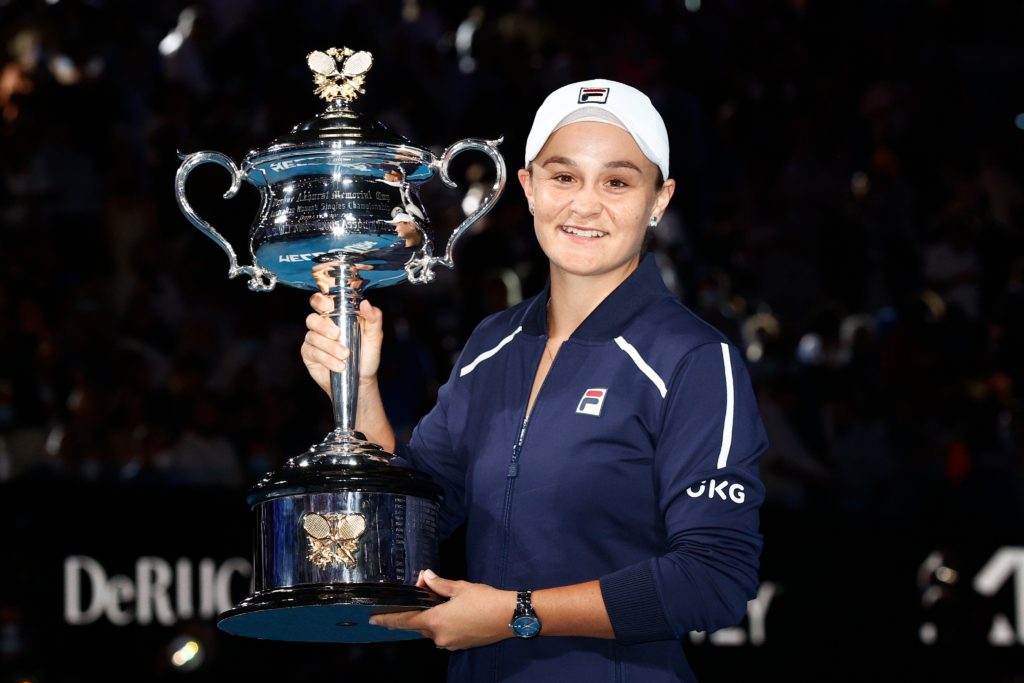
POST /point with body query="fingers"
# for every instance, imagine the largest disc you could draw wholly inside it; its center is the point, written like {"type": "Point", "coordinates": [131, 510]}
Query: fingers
{"type": "Point", "coordinates": [324, 338]}
{"type": "Point", "coordinates": [408, 621]}
{"type": "Point", "coordinates": [325, 327]}
{"type": "Point", "coordinates": [314, 356]}
{"type": "Point", "coordinates": [321, 303]}
{"type": "Point", "coordinates": [321, 344]}
{"type": "Point", "coordinates": [371, 315]}
{"type": "Point", "coordinates": [318, 348]}
{"type": "Point", "coordinates": [443, 587]}
{"type": "Point", "coordinates": [324, 305]}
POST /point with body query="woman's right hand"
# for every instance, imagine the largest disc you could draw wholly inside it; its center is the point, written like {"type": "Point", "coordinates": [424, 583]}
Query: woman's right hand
{"type": "Point", "coordinates": [321, 351]}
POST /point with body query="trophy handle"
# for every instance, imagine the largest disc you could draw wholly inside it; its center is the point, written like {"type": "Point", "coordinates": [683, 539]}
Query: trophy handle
{"type": "Point", "coordinates": [260, 279]}
{"type": "Point", "coordinates": [421, 270]}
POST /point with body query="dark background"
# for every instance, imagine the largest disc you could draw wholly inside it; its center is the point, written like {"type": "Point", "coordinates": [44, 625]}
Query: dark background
{"type": "Point", "coordinates": [850, 212]}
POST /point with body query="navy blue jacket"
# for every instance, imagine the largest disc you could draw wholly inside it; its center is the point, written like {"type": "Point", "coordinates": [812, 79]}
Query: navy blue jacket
{"type": "Point", "coordinates": [638, 467]}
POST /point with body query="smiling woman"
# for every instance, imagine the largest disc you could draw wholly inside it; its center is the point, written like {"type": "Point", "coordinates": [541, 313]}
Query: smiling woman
{"type": "Point", "coordinates": [578, 428]}
{"type": "Point", "coordinates": [595, 195]}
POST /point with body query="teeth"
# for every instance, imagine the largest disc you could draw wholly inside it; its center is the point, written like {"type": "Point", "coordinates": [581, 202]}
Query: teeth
{"type": "Point", "coordinates": [582, 233]}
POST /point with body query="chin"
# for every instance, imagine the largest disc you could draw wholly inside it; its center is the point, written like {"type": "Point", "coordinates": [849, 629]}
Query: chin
{"type": "Point", "coordinates": [588, 266]}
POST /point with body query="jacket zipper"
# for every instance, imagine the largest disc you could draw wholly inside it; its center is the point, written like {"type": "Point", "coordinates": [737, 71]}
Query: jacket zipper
{"type": "Point", "coordinates": [510, 481]}
{"type": "Point", "coordinates": [513, 472]}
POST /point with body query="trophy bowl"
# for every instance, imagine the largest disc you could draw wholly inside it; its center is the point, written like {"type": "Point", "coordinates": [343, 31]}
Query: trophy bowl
{"type": "Point", "coordinates": [341, 531]}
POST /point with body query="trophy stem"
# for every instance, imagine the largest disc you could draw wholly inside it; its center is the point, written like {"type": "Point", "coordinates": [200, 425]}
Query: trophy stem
{"type": "Point", "coordinates": [345, 384]}
{"type": "Point", "coordinates": [339, 278]}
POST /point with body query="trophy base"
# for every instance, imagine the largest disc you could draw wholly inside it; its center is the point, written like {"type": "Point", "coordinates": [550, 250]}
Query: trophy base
{"type": "Point", "coordinates": [325, 613]}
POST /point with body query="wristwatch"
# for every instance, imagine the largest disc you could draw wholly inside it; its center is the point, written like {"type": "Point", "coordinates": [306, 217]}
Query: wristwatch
{"type": "Point", "coordinates": [525, 623]}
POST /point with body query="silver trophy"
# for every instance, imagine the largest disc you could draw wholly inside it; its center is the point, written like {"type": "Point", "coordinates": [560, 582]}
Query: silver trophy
{"type": "Point", "coordinates": [341, 532]}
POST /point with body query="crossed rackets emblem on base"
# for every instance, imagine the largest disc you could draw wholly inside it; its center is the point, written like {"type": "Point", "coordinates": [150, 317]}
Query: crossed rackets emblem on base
{"type": "Point", "coordinates": [333, 538]}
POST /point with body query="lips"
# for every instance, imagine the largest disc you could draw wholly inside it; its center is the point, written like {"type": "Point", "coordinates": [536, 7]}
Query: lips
{"type": "Point", "coordinates": [582, 232]}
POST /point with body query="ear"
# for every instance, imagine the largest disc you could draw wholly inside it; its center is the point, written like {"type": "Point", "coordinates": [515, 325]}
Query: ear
{"type": "Point", "coordinates": [526, 180]}
{"type": "Point", "coordinates": [668, 188]}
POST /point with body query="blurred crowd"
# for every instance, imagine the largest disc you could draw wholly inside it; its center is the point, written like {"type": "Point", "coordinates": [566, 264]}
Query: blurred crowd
{"type": "Point", "coordinates": [849, 213]}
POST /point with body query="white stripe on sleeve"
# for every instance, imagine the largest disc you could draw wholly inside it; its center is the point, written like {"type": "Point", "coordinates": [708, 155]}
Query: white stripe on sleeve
{"type": "Point", "coordinates": [642, 364]}
{"type": "Point", "coordinates": [488, 353]}
{"type": "Point", "coordinates": [723, 456]}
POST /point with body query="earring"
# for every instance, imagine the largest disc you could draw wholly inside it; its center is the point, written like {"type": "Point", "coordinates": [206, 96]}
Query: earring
{"type": "Point", "coordinates": [654, 221]}
{"type": "Point", "coordinates": [533, 211]}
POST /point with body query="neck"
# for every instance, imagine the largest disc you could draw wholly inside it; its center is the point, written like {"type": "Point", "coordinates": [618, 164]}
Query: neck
{"type": "Point", "coordinates": [575, 297]}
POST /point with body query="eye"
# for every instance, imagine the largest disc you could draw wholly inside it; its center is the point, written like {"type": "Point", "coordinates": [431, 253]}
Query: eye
{"type": "Point", "coordinates": [562, 177]}
{"type": "Point", "coordinates": [618, 183]}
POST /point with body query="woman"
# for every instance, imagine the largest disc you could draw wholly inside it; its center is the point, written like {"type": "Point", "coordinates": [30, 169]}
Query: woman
{"type": "Point", "coordinates": [599, 440]}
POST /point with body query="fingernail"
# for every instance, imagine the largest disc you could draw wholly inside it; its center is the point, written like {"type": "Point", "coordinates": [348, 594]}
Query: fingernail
{"type": "Point", "coordinates": [374, 620]}
{"type": "Point", "coordinates": [429, 574]}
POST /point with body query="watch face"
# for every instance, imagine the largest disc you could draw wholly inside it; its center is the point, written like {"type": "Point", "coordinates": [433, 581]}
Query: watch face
{"type": "Point", "coordinates": [526, 627]}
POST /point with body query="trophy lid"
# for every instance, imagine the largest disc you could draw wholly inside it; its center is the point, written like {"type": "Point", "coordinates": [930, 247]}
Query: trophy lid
{"type": "Point", "coordinates": [339, 74]}
{"type": "Point", "coordinates": [340, 123]}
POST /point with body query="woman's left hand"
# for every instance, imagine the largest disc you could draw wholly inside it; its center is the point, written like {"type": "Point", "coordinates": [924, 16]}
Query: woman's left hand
{"type": "Point", "coordinates": [474, 615]}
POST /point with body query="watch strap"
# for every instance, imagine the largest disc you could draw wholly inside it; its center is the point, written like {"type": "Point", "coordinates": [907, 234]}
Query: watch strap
{"type": "Point", "coordinates": [524, 603]}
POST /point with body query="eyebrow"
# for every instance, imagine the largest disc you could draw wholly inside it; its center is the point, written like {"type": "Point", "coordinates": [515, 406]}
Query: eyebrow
{"type": "Point", "coordinates": [623, 164]}
{"type": "Point", "coordinates": [565, 161]}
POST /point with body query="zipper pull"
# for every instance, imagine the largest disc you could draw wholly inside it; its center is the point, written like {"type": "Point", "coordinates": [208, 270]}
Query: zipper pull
{"type": "Point", "coordinates": [517, 448]}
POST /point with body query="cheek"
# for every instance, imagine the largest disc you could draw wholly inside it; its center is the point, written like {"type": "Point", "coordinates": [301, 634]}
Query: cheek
{"type": "Point", "coordinates": [632, 216]}
{"type": "Point", "coordinates": [545, 190]}
{"type": "Point", "coordinates": [550, 202]}
{"type": "Point", "coordinates": [640, 212]}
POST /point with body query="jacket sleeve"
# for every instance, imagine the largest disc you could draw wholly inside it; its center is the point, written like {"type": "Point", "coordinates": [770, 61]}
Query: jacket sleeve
{"type": "Point", "coordinates": [709, 492]}
{"type": "Point", "coordinates": [431, 450]}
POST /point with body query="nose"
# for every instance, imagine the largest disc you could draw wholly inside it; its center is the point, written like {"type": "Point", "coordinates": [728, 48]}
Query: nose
{"type": "Point", "coordinates": [585, 202]}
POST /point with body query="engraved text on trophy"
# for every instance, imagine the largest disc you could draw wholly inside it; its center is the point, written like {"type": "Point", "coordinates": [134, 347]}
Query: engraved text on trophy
{"type": "Point", "coordinates": [312, 203]}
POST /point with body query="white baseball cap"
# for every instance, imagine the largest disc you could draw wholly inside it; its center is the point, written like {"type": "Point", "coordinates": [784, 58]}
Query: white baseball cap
{"type": "Point", "coordinates": [401, 218]}
{"type": "Point", "coordinates": [606, 101]}
{"type": "Point", "coordinates": [407, 214]}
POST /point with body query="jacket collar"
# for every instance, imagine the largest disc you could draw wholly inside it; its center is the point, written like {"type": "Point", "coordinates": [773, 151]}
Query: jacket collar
{"type": "Point", "coordinates": [607, 321]}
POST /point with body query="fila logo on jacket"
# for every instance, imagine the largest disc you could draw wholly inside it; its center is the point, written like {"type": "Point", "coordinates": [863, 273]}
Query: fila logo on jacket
{"type": "Point", "coordinates": [591, 402]}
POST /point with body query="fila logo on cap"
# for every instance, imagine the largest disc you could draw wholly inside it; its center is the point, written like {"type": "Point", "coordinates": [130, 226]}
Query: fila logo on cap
{"type": "Point", "coordinates": [593, 96]}
{"type": "Point", "coordinates": [591, 402]}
